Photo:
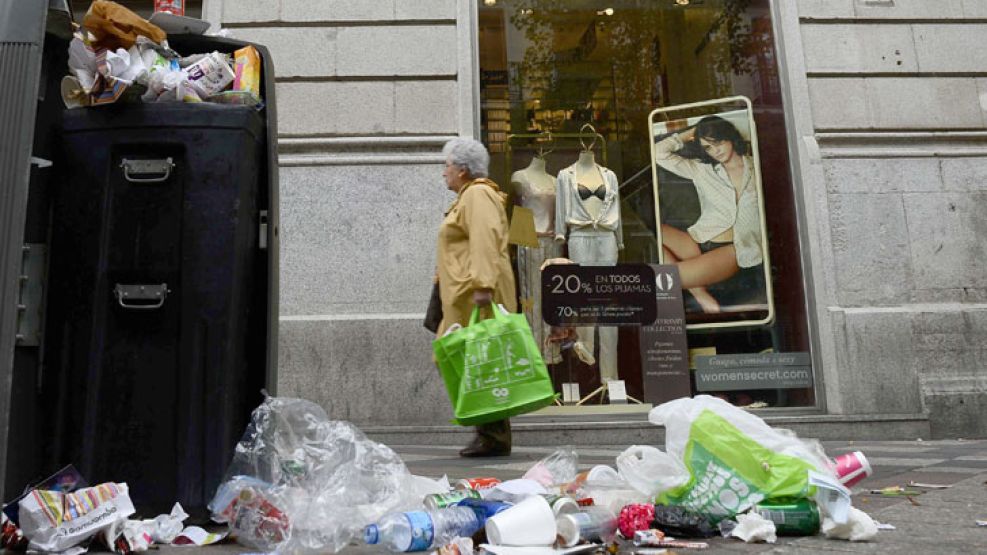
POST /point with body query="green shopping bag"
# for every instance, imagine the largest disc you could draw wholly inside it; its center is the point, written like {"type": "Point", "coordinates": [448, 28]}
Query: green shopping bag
{"type": "Point", "coordinates": [730, 471]}
{"type": "Point", "coordinates": [493, 369]}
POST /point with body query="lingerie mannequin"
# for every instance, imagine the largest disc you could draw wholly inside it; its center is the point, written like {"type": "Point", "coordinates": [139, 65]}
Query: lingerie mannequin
{"type": "Point", "coordinates": [536, 189]}
{"type": "Point", "coordinates": [587, 214]}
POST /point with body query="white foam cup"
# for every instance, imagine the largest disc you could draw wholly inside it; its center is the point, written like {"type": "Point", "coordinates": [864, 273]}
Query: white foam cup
{"type": "Point", "coordinates": [531, 522]}
{"type": "Point", "coordinates": [852, 468]}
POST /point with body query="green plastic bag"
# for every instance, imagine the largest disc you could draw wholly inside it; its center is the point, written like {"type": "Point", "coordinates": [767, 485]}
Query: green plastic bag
{"type": "Point", "coordinates": [493, 369]}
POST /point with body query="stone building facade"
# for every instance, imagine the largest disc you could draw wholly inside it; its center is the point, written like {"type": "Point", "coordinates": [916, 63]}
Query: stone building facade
{"type": "Point", "coordinates": [887, 116]}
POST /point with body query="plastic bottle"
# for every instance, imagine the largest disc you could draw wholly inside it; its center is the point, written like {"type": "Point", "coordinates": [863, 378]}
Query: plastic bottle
{"type": "Point", "coordinates": [422, 530]}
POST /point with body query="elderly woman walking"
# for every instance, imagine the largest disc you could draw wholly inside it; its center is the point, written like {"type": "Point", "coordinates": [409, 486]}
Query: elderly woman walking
{"type": "Point", "coordinates": [474, 268]}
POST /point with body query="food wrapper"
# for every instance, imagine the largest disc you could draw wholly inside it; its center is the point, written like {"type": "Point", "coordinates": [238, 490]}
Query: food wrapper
{"type": "Point", "coordinates": [114, 26]}
{"type": "Point", "coordinates": [246, 63]}
{"type": "Point", "coordinates": [56, 521]}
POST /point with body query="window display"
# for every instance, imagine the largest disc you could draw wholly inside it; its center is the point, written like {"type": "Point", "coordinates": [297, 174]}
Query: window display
{"type": "Point", "coordinates": [635, 132]}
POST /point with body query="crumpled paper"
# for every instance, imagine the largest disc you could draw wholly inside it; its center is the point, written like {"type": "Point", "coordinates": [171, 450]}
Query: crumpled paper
{"type": "Point", "coordinates": [754, 528]}
{"type": "Point", "coordinates": [859, 527]}
{"type": "Point", "coordinates": [114, 26]}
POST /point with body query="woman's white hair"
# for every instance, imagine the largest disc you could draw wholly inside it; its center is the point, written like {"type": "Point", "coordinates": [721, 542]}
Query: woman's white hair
{"type": "Point", "coordinates": [469, 154]}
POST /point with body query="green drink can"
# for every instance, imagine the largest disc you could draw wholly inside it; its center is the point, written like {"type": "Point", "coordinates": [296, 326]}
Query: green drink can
{"type": "Point", "coordinates": [792, 517]}
{"type": "Point", "coordinates": [438, 501]}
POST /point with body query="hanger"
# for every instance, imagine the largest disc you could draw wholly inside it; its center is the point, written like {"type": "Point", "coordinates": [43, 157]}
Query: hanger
{"type": "Point", "coordinates": [542, 151]}
{"type": "Point", "coordinates": [592, 130]}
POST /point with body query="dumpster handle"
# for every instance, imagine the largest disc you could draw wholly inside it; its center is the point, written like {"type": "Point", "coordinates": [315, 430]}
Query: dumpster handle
{"type": "Point", "coordinates": [125, 293]}
{"type": "Point", "coordinates": [147, 167]}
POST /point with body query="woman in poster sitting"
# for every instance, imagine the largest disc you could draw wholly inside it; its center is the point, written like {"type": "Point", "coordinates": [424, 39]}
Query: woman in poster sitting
{"type": "Point", "coordinates": [727, 235]}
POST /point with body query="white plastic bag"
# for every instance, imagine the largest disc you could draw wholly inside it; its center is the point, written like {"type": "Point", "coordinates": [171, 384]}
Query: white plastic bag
{"type": "Point", "coordinates": [650, 470]}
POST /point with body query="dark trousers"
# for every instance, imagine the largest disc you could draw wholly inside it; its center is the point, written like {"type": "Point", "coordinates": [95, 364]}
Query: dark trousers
{"type": "Point", "coordinates": [495, 433]}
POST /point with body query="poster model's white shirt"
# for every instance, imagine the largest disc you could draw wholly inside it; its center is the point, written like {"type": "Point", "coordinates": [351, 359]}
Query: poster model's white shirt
{"type": "Point", "coordinates": [720, 207]}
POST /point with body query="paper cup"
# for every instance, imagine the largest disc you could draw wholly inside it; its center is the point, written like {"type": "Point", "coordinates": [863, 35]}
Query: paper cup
{"type": "Point", "coordinates": [531, 522]}
{"type": "Point", "coordinates": [852, 468]}
{"type": "Point", "coordinates": [73, 95]}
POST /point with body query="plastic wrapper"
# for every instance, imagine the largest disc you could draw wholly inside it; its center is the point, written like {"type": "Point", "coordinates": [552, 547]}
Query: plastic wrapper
{"type": "Point", "coordinates": [635, 517]}
{"type": "Point", "coordinates": [56, 521]}
{"type": "Point", "coordinates": [301, 483]}
{"type": "Point", "coordinates": [114, 26]}
{"type": "Point", "coordinates": [559, 467]}
{"type": "Point", "coordinates": [731, 458]}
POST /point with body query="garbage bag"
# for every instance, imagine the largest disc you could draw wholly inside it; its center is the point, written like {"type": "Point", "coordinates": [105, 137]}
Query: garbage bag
{"type": "Point", "coordinates": [114, 26]}
{"type": "Point", "coordinates": [734, 458]}
{"type": "Point", "coordinates": [301, 483]}
{"type": "Point", "coordinates": [679, 521]}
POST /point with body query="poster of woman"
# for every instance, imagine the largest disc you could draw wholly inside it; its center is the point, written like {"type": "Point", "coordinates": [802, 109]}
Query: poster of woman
{"type": "Point", "coordinates": [709, 200]}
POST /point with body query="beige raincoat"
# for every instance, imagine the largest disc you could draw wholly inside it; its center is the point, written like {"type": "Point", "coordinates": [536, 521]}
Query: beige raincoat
{"type": "Point", "coordinates": [472, 252]}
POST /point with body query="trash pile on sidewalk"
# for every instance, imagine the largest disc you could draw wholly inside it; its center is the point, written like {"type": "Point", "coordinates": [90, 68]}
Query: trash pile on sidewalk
{"type": "Point", "coordinates": [117, 56]}
{"type": "Point", "coordinates": [301, 483]}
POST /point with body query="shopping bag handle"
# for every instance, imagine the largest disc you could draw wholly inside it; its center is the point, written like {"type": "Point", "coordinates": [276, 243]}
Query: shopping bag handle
{"type": "Point", "coordinates": [475, 317]}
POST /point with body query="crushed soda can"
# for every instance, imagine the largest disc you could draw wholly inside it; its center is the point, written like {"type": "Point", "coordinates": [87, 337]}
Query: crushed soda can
{"type": "Point", "coordinates": [437, 501]}
{"type": "Point", "coordinates": [477, 483]}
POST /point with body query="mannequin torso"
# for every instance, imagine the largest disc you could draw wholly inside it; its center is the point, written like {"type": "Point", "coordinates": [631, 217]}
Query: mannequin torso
{"type": "Point", "coordinates": [537, 191]}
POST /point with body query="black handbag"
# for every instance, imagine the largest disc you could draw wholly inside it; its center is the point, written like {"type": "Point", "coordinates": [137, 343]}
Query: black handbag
{"type": "Point", "coordinates": [433, 315]}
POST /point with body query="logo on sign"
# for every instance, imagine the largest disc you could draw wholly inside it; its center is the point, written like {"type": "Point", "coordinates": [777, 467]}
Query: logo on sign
{"type": "Point", "coordinates": [664, 282]}
{"type": "Point", "coordinates": [500, 392]}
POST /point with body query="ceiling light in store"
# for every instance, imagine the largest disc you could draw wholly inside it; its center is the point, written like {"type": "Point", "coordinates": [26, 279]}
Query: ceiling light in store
{"type": "Point", "coordinates": [608, 11]}
{"type": "Point", "coordinates": [489, 2]}
{"type": "Point", "coordinates": [527, 11]}
{"type": "Point", "coordinates": [682, 2]}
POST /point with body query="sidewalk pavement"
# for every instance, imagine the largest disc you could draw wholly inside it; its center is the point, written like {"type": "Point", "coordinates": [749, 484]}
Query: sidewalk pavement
{"type": "Point", "coordinates": [936, 521]}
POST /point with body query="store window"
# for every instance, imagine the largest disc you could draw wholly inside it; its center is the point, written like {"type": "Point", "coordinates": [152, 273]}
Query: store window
{"type": "Point", "coordinates": [678, 107]}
